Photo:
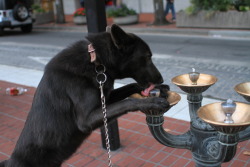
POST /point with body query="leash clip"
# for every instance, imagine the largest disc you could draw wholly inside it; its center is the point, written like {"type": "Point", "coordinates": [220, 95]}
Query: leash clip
{"type": "Point", "coordinates": [101, 76]}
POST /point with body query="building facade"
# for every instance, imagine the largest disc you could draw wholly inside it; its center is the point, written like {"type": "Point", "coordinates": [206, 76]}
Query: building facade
{"type": "Point", "coordinates": [141, 6]}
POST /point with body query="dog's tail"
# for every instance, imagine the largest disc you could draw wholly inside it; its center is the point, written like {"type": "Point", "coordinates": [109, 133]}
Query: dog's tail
{"type": "Point", "coordinates": [2, 164]}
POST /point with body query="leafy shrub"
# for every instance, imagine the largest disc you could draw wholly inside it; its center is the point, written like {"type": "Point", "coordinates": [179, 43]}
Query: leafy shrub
{"type": "Point", "coordinates": [121, 11]}
{"type": "Point", "coordinates": [220, 5]}
{"type": "Point", "coordinates": [217, 5]}
{"type": "Point", "coordinates": [37, 8]}
{"type": "Point", "coordinates": [241, 5]}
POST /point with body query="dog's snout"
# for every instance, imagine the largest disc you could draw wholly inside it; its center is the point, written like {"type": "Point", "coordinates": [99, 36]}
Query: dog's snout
{"type": "Point", "coordinates": [156, 76]}
{"type": "Point", "coordinates": [160, 79]}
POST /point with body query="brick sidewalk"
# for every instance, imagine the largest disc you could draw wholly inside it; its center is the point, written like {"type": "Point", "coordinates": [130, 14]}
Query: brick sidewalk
{"type": "Point", "coordinates": [139, 148]}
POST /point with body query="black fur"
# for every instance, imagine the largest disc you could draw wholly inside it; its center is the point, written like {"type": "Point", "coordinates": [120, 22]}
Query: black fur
{"type": "Point", "coordinates": [67, 107]}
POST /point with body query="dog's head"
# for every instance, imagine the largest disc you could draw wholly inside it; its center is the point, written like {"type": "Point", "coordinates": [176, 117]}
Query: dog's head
{"type": "Point", "coordinates": [135, 58]}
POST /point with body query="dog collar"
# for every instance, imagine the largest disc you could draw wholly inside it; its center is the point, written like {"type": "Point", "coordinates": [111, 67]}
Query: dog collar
{"type": "Point", "coordinates": [92, 53]}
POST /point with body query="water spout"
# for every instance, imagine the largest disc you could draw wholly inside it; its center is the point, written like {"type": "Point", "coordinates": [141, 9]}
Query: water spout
{"type": "Point", "coordinates": [194, 76]}
{"type": "Point", "coordinates": [229, 108]}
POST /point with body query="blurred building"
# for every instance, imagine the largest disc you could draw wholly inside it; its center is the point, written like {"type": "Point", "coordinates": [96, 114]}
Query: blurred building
{"type": "Point", "coordinates": [146, 6]}
{"type": "Point", "coordinates": [141, 6]}
{"type": "Point", "coordinates": [47, 11]}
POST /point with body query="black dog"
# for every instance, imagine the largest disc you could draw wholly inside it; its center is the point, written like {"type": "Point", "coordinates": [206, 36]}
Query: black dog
{"type": "Point", "coordinates": [67, 106]}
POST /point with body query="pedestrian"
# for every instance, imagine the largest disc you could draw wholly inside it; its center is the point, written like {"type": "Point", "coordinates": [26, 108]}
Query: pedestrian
{"type": "Point", "coordinates": [170, 5]}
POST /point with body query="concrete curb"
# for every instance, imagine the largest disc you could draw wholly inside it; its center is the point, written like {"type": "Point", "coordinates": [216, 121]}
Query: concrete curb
{"type": "Point", "coordinates": [242, 34]}
{"type": "Point", "coordinates": [230, 33]}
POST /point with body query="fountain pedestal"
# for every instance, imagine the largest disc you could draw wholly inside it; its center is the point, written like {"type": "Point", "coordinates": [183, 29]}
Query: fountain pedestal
{"type": "Point", "coordinates": [210, 140]}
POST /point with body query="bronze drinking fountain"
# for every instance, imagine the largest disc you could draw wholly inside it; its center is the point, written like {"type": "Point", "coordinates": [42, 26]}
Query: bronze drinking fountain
{"type": "Point", "coordinates": [215, 129]}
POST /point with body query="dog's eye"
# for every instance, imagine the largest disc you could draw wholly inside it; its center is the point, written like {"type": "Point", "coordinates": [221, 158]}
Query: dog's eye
{"type": "Point", "coordinates": [149, 56]}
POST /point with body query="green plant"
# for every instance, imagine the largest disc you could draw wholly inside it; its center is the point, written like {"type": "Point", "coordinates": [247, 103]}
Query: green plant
{"type": "Point", "coordinates": [220, 5]}
{"type": "Point", "coordinates": [37, 8]}
{"type": "Point", "coordinates": [217, 5]}
{"type": "Point", "coordinates": [121, 11]}
{"type": "Point", "coordinates": [241, 5]}
{"type": "Point", "coordinates": [191, 10]}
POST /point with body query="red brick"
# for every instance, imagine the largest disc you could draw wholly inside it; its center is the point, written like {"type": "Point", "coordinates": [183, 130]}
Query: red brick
{"type": "Point", "coordinates": [148, 164]}
{"type": "Point", "coordinates": [242, 156]}
{"type": "Point", "coordinates": [170, 160]}
{"type": "Point", "coordinates": [96, 163]}
{"type": "Point", "coordinates": [83, 162]}
{"type": "Point", "coordinates": [139, 151]}
{"type": "Point", "coordinates": [235, 163]}
{"type": "Point", "coordinates": [181, 162]}
{"type": "Point", "coordinates": [190, 164]}
{"type": "Point", "coordinates": [188, 154]}
{"type": "Point", "coordinates": [157, 146]}
{"type": "Point", "coordinates": [93, 150]}
{"type": "Point", "coordinates": [160, 156]}
{"type": "Point", "coordinates": [75, 158]}
{"type": "Point", "coordinates": [149, 154]}
{"type": "Point", "coordinates": [118, 157]}
{"type": "Point", "coordinates": [179, 152]}
{"type": "Point", "coordinates": [137, 163]}
{"type": "Point", "coordinates": [126, 161]}
{"type": "Point", "coordinates": [136, 137]}
{"type": "Point", "coordinates": [168, 149]}
{"type": "Point", "coordinates": [131, 148]}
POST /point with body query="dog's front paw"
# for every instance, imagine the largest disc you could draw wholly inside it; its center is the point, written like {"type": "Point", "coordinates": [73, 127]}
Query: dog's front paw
{"type": "Point", "coordinates": [154, 106]}
{"type": "Point", "coordinates": [163, 90]}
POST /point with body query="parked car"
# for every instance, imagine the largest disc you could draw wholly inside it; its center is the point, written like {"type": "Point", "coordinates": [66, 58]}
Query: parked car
{"type": "Point", "coordinates": [16, 13]}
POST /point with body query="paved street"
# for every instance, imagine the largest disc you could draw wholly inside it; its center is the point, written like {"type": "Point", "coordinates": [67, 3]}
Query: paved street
{"type": "Point", "coordinates": [227, 59]}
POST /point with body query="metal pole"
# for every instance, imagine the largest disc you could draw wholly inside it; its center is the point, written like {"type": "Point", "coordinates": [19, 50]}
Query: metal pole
{"type": "Point", "coordinates": [96, 22]}
{"type": "Point", "coordinates": [96, 16]}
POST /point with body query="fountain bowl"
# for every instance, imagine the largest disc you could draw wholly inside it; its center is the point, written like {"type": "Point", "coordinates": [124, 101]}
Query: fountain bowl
{"type": "Point", "coordinates": [214, 115]}
{"type": "Point", "coordinates": [244, 90]}
{"type": "Point", "coordinates": [203, 83]}
{"type": "Point", "coordinates": [173, 98]}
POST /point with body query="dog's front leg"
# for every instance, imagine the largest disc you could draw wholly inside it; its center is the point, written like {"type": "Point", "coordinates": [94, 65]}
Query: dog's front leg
{"type": "Point", "coordinates": [124, 92]}
{"type": "Point", "coordinates": [115, 110]}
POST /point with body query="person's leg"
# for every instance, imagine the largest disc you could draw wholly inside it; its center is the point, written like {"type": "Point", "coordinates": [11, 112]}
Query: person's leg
{"type": "Point", "coordinates": [167, 9]}
{"type": "Point", "coordinates": [173, 12]}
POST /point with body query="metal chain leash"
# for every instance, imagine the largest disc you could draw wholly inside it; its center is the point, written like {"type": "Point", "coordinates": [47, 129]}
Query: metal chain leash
{"type": "Point", "coordinates": [101, 79]}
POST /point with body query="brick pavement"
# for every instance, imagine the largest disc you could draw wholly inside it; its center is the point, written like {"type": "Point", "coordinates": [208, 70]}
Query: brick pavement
{"type": "Point", "coordinates": [139, 148]}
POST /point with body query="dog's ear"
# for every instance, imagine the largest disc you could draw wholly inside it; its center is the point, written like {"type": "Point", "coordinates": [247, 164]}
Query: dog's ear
{"type": "Point", "coordinates": [119, 37]}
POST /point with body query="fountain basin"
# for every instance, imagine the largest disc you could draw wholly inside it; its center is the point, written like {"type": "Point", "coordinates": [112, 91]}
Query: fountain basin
{"type": "Point", "coordinates": [203, 83]}
{"type": "Point", "coordinates": [244, 90]}
{"type": "Point", "coordinates": [214, 115]}
{"type": "Point", "coordinates": [173, 99]}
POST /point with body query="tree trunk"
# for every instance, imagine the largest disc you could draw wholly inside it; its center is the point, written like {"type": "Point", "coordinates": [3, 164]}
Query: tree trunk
{"type": "Point", "coordinates": [60, 18]}
{"type": "Point", "coordinates": [160, 18]}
